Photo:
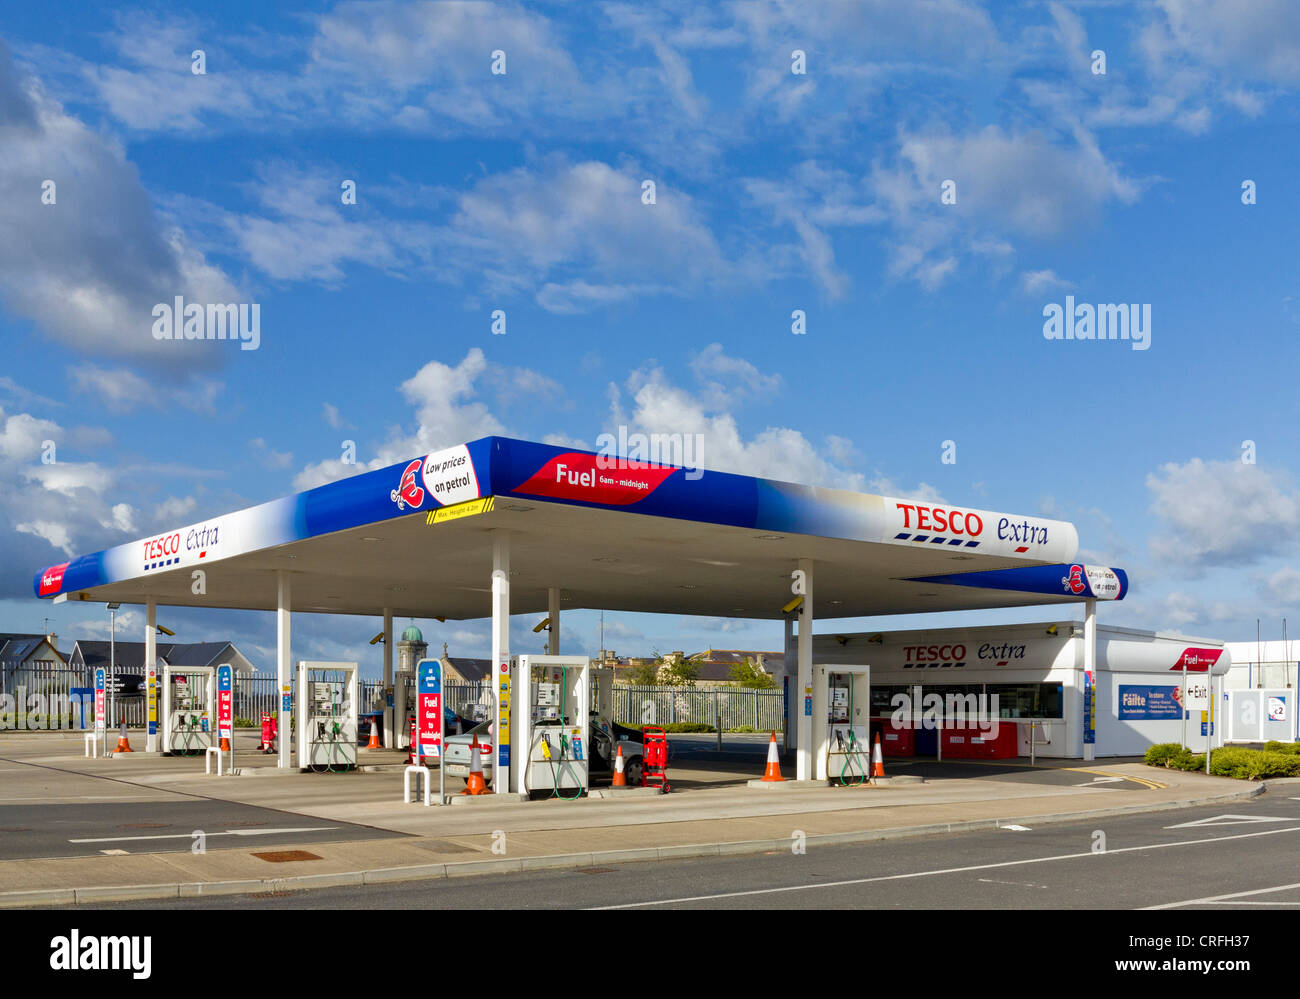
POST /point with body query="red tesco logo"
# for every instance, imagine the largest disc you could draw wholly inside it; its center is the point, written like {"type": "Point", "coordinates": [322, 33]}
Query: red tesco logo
{"type": "Point", "coordinates": [937, 518]}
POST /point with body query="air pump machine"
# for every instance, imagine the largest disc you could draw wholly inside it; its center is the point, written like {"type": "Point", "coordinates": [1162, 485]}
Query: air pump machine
{"type": "Point", "coordinates": [841, 708]}
{"type": "Point", "coordinates": [326, 716]}
{"type": "Point", "coordinates": [189, 699]}
{"type": "Point", "coordinates": [553, 729]}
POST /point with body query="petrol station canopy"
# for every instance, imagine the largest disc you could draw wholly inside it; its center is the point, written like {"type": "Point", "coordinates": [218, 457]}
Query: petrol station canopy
{"type": "Point", "coordinates": [416, 539]}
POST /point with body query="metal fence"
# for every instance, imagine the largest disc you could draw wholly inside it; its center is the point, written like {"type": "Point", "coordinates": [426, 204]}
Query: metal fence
{"type": "Point", "coordinates": [54, 686]}
{"type": "Point", "coordinates": [732, 707]}
{"type": "Point", "coordinates": [45, 692]}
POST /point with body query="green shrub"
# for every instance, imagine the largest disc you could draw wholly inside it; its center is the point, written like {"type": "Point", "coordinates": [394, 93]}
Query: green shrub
{"type": "Point", "coordinates": [1186, 760]}
{"type": "Point", "coordinates": [1159, 754]}
{"type": "Point", "coordinates": [1239, 762]}
{"type": "Point", "coordinates": [1289, 748]}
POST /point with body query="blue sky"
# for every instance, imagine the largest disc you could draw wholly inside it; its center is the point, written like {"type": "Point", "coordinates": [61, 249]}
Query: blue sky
{"type": "Point", "coordinates": [774, 191]}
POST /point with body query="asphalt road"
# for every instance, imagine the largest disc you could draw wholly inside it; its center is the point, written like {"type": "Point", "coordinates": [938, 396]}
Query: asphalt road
{"type": "Point", "coordinates": [130, 818]}
{"type": "Point", "coordinates": [1218, 857]}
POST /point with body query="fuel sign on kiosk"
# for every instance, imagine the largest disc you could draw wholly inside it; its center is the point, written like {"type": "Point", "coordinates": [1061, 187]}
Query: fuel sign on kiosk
{"type": "Point", "coordinates": [225, 703]}
{"type": "Point", "coordinates": [100, 707]}
{"type": "Point", "coordinates": [429, 717]}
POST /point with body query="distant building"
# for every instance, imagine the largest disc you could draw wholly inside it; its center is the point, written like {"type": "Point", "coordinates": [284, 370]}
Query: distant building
{"type": "Point", "coordinates": [411, 648]}
{"type": "Point", "coordinates": [715, 665]}
{"type": "Point", "coordinates": [28, 660]}
{"type": "Point", "coordinates": [88, 656]}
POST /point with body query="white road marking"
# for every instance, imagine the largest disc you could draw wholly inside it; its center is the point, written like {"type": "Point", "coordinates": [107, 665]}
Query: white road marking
{"type": "Point", "coordinates": [1223, 898]}
{"type": "Point", "coordinates": [948, 870]}
{"type": "Point", "coordinates": [1015, 828]}
{"type": "Point", "coordinates": [1103, 780]}
{"type": "Point", "coordinates": [1230, 820]}
{"type": "Point", "coordinates": [115, 853]}
{"type": "Point", "coordinates": [1252, 903]}
{"type": "Point", "coordinates": [228, 832]}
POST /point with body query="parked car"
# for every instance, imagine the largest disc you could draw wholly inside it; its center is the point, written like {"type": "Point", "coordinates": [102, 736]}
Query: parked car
{"type": "Point", "coordinates": [604, 736]}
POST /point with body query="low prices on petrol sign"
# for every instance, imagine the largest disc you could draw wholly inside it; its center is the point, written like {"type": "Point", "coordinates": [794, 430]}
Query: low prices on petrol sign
{"type": "Point", "coordinates": [225, 703]}
{"type": "Point", "coordinates": [429, 709]}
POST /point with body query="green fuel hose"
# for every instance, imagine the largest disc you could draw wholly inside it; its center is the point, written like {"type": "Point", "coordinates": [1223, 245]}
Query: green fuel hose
{"type": "Point", "coordinates": [847, 777]}
{"type": "Point", "coordinates": [564, 744]}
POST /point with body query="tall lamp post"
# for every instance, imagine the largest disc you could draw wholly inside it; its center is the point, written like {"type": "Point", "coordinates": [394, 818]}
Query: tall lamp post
{"type": "Point", "coordinates": [112, 663]}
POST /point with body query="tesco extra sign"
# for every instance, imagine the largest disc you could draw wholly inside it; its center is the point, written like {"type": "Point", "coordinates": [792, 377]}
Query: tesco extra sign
{"type": "Point", "coordinates": [933, 653]}
{"type": "Point", "coordinates": [937, 518]}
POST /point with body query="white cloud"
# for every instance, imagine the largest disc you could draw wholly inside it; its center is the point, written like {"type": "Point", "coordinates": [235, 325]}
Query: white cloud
{"type": "Point", "coordinates": [333, 417]}
{"type": "Point", "coordinates": [564, 230]}
{"type": "Point", "coordinates": [1281, 588]}
{"type": "Point", "coordinates": [721, 374]}
{"type": "Point", "coordinates": [90, 267]}
{"type": "Point", "coordinates": [446, 414]}
{"type": "Point", "coordinates": [121, 390]}
{"type": "Point", "coordinates": [174, 509]}
{"type": "Point", "coordinates": [1259, 39]}
{"type": "Point", "coordinates": [49, 512]}
{"type": "Point", "coordinates": [775, 452]}
{"type": "Point", "coordinates": [1034, 283]}
{"type": "Point", "coordinates": [269, 456]}
{"type": "Point", "coordinates": [1223, 512]}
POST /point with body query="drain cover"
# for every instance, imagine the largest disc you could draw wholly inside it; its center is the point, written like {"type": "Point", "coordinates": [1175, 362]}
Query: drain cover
{"type": "Point", "coordinates": [285, 856]}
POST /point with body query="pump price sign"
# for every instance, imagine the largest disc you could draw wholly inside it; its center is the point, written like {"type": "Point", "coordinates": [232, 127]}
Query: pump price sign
{"type": "Point", "coordinates": [225, 703]}
{"type": "Point", "coordinates": [153, 701]}
{"type": "Point", "coordinates": [429, 709]}
{"type": "Point", "coordinates": [101, 707]}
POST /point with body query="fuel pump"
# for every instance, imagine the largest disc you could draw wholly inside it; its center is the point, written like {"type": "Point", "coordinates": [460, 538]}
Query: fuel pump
{"type": "Point", "coordinates": [189, 697]}
{"type": "Point", "coordinates": [841, 708]}
{"type": "Point", "coordinates": [327, 716]}
{"type": "Point", "coordinates": [557, 693]}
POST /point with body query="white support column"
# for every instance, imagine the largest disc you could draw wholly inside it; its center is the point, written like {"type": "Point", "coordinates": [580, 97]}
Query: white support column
{"type": "Point", "coordinates": [389, 742]}
{"type": "Point", "coordinates": [803, 758]}
{"type": "Point", "coordinates": [1090, 668]}
{"type": "Point", "coordinates": [553, 612]}
{"type": "Point", "coordinates": [283, 668]}
{"type": "Point", "coordinates": [790, 680]}
{"type": "Point", "coordinates": [502, 778]}
{"type": "Point", "coordinates": [151, 677]}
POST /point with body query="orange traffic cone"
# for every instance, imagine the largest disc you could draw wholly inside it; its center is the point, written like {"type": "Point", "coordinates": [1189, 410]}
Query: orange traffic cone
{"type": "Point", "coordinates": [374, 735]}
{"type": "Point", "coordinates": [123, 743]}
{"type": "Point", "coordinates": [773, 772]}
{"type": "Point", "coordinates": [620, 780]}
{"type": "Point", "coordinates": [225, 744]}
{"type": "Point", "coordinates": [877, 760]}
{"type": "Point", "coordinates": [475, 784]}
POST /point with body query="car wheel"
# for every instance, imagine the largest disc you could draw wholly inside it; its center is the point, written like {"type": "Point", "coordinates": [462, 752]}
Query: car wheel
{"type": "Point", "coordinates": [632, 771]}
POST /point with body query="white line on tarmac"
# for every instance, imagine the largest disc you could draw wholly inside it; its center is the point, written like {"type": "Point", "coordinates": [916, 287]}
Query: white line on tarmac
{"type": "Point", "coordinates": [1224, 898]}
{"type": "Point", "coordinates": [947, 870]}
{"type": "Point", "coordinates": [228, 832]}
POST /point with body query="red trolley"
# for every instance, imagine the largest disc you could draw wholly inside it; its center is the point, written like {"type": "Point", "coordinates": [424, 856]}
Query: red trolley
{"type": "Point", "coordinates": [654, 758]}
